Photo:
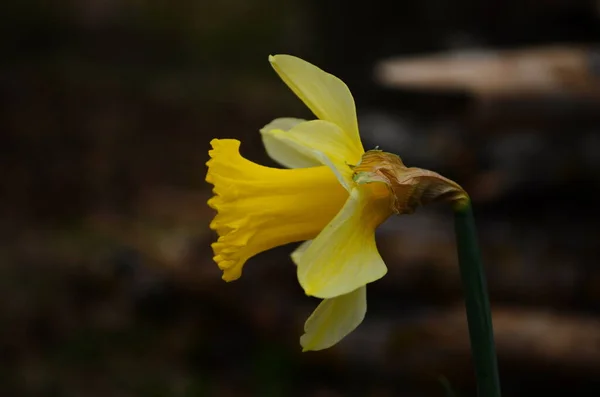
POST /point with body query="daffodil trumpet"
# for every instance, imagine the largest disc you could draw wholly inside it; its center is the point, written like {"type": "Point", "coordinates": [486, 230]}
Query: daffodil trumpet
{"type": "Point", "coordinates": [331, 196]}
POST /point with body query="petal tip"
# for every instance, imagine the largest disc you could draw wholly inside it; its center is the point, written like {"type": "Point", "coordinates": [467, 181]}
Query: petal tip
{"type": "Point", "coordinates": [306, 348]}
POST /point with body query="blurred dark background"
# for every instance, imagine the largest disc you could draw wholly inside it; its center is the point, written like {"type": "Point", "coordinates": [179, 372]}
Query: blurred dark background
{"type": "Point", "coordinates": [107, 287]}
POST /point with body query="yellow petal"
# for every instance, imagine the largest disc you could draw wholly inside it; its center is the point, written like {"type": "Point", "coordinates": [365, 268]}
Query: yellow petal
{"type": "Point", "coordinates": [280, 150]}
{"type": "Point", "coordinates": [344, 257]}
{"type": "Point", "coordinates": [259, 208]}
{"type": "Point", "coordinates": [333, 319]}
{"type": "Point", "coordinates": [320, 140]}
{"type": "Point", "coordinates": [324, 94]}
{"type": "Point", "coordinates": [299, 251]}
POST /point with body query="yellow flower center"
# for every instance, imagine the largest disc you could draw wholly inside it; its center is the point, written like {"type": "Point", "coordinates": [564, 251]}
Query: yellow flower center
{"type": "Point", "coordinates": [259, 208]}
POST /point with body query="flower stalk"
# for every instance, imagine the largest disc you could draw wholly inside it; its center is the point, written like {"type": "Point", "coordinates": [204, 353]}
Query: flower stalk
{"type": "Point", "coordinates": [477, 302]}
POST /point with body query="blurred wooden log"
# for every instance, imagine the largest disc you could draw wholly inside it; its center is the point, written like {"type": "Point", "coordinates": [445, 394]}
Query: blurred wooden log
{"type": "Point", "coordinates": [532, 72]}
{"type": "Point", "coordinates": [548, 87]}
{"type": "Point", "coordinates": [521, 265]}
{"type": "Point", "coordinates": [561, 350]}
{"type": "Point", "coordinates": [559, 343]}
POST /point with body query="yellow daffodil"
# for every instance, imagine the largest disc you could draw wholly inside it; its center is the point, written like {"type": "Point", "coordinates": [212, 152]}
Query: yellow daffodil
{"type": "Point", "coordinates": [333, 196]}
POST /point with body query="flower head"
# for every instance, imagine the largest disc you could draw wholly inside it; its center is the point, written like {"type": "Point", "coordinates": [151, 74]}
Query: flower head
{"type": "Point", "coordinates": [333, 196]}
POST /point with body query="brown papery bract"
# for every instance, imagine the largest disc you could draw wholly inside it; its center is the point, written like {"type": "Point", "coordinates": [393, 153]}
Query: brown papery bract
{"type": "Point", "coordinates": [411, 187]}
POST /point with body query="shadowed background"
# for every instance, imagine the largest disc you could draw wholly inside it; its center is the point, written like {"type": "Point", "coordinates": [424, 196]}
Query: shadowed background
{"type": "Point", "coordinates": [107, 286]}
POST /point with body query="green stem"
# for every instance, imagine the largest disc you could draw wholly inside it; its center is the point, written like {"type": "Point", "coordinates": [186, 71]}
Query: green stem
{"type": "Point", "coordinates": [477, 302]}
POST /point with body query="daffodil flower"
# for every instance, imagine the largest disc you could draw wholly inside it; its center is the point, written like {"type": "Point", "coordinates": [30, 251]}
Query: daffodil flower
{"type": "Point", "coordinates": [332, 196]}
